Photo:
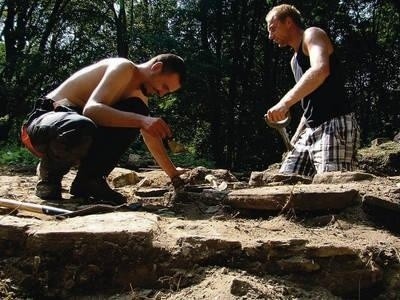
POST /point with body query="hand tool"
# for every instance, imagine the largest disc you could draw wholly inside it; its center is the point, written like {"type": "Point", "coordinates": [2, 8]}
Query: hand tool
{"type": "Point", "coordinates": [64, 213]}
{"type": "Point", "coordinates": [33, 207]}
{"type": "Point", "coordinates": [281, 128]}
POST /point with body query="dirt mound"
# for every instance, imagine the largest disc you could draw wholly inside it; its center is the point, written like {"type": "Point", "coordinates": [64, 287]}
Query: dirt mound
{"type": "Point", "coordinates": [381, 159]}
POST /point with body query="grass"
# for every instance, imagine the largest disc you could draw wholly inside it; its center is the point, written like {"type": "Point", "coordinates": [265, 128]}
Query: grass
{"type": "Point", "coordinates": [380, 150]}
{"type": "Point", "coordinates": [11, 155]}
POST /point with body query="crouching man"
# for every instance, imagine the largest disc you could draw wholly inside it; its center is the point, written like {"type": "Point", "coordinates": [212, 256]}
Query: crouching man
{"type": "Point", "coordinates": [92, 118]}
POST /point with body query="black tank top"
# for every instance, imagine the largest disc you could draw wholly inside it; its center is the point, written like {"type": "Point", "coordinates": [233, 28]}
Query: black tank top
{"type": "Point", "coordinates": [329, 99]}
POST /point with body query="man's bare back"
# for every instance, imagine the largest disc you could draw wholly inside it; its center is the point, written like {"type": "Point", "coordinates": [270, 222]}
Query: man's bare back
{"type": "Point", "coordinates": [77, 89]}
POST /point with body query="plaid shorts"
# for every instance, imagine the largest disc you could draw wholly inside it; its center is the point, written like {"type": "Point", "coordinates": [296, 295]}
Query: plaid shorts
{"type": "Point", "coordinates": [332, 146]}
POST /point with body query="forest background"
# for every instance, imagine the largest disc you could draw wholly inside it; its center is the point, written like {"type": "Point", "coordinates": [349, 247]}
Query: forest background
{"type": "Point", "coordinates": [234, 72]}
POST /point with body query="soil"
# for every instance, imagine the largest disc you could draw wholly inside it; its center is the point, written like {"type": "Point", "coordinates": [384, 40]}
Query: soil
{"type": "Point", "coordinates": [350, 228]}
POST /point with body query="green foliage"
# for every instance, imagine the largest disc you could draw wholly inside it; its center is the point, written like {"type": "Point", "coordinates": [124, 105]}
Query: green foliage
{"type": "Point", "coordinates": [190, 160]}
{"type": "Point", "coordinates": [234, 73]}
{"type": "Point", "coordinates": [16, 155]}
{"type": "Point", "coordinates": [2, 55]}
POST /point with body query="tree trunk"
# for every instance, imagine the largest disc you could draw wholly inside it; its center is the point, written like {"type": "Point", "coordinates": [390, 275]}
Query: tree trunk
{"type": "Point", "coordinates": [233, 84]}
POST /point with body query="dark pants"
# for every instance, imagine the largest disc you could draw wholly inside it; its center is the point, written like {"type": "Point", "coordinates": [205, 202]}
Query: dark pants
{"type": "Point", "coordinates": [66, 138]}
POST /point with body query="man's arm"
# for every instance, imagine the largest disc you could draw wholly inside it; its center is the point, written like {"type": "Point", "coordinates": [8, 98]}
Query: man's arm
{"type": "Point", "coordinates": [157, 149]}
{"type": "Point", "coordinates": [319, 48]}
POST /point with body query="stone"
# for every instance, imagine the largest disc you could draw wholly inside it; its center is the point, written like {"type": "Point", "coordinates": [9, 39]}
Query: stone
{"type": "Point", "coordinates": [237, 185]}
{"type": "Point", "coordinates": [207, 196]}
{"type": "Point", "coordinates": [213, 209]}
{"type": "Point", "coordinates": [256, 178]}
{"type": "Point", "coordinates": [321, 221]}
{"type": "Point", "coordinates": [383, 210]}
{"type": "Point", "coordinates": [13, 233]}
{"type": "Point", "coordinates": [385, 203]}
{"type": "Point", "coordinates": [240, 287]}
{"type": "Point", "coordinates": [199, 248]}
{"type": "Point", "coordinates": [299, 197]}
{"type": "Point", "coordinates": [119, 228]}
{"type": "Point", "coordinates": [144, 182]}
{"type": "Point", "coordinates": [268, 177]}
{"type": "Point", "coordinates": [329, 251]}
{"type": "Point", "coordinates": [298, 264]}
{"type": "Point", "coordinates": [197, 175]}
{"type": "Point", "coordinates": [122, 177]}
{"type": "Point", "coordinates": [151, 192]}
{"type": "Point", "coordinates": [342, 177]}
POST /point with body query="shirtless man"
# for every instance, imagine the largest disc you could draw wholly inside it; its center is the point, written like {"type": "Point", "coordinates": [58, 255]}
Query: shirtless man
{"type": "Point", "coordinates": [328, 134]}
{"type": "Point", "coordinates": [92, 118]}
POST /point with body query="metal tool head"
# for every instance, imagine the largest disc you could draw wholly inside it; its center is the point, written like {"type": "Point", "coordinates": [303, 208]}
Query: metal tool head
{"type": "Point", "coordinates": [175, 147]}
{"type": "Point", "coordinates": [280, 124]}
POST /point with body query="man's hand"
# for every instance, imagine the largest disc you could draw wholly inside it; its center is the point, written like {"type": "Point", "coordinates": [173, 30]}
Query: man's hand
{"type": "Point", "coordinates": [277, 113]}
{"type": "Point", "coordinates": [177, 182]}
{"type": "Point", "coordinates": [157, 127]}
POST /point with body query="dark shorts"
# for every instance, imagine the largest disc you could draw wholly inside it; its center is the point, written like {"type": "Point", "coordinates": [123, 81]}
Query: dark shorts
{"type": "Point", "coordinates": [63, 134]}
{"type": "Point", "coordinates": [46, 123]}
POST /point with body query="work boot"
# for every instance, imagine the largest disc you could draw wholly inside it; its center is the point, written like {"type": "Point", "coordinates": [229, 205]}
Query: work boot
{"type": "Point", "coordinates": [48, 190]}
{"type": "Point", "coordinates": [96, 188]}
{"type": "Point", "coordinates": [49, 185]}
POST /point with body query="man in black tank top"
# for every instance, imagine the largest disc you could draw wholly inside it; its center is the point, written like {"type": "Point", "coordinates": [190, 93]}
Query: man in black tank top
{"type": "Point", "coordinates": [327, 137]}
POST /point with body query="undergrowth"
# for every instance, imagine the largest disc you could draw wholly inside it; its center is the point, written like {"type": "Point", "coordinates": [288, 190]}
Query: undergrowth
{"type": "Point", "coordinates": [16, 155]}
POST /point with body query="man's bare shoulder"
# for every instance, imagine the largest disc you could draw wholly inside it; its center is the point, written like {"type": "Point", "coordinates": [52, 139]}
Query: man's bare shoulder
{"type": "Point", "coordinates": [314, 32]}
{"type": "Point", "coordinates": [316, 37]}
{"type": "Point", "coordinates": [119, 63]}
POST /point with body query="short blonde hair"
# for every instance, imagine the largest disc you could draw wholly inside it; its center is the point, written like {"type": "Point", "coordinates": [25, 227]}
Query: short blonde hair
{"type": "Point", "coordinates": [283, 11]}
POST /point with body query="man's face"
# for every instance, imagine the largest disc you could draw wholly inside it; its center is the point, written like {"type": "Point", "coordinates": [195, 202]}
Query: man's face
{"type": "Point", "coordinates": [161, 83]}
{"type": "Point", "coordinates": [278, 31]}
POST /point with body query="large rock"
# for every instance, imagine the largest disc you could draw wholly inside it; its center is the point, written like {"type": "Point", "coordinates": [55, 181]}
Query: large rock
{"type": "Point", "coordinates": [13, 234]}
{"type": "Point", "coordinates": [342, 177]}
{"type": "Point", "coordinates": [197, 175]}
{"type": "Point", "coordinates": [267, 177]}
{"type": "Point", "coordinates": [383, 159]}
{"type": "Point", "coordinates": [118, 227]}
{"type": "Point", "coordinates": [384, 209]}
{"type": "Point", "coordinates": [89, 253]}
{"type": "Point", "coordinates": [299, 197]}
{"type": "Point", "coordinates": [122, 177]}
